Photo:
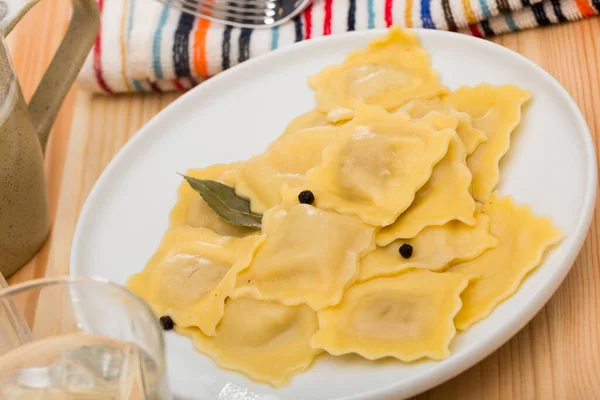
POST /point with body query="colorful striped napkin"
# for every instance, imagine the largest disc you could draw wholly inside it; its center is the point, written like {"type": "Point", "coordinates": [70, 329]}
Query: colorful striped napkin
{"type": "Point", "coordinates": [145, 46]}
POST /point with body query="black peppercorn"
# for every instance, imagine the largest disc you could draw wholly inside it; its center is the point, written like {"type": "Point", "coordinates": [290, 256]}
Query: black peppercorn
{"type": "Point", "coordinates": [406, 250]}
{"type": "Point", "coordinates": [306, 197]}
{"type": "Point", "coordinates": [166, 322]}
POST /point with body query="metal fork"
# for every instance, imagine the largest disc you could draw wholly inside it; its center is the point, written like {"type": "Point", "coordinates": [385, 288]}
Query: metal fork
{"type": "Point", "coordinates": [242, 13]}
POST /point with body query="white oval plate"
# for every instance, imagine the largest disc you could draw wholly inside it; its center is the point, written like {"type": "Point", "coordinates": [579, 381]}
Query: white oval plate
{"type": "Point", "coordinates": [551, 165]}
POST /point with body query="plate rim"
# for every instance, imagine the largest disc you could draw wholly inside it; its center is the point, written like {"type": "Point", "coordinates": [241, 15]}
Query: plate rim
{"type": "Point", "coordinates": [454, 364]}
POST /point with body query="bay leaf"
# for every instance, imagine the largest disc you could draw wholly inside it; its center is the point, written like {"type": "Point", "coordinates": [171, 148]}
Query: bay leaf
{"type": "Point", "coordinates": [223, 200]}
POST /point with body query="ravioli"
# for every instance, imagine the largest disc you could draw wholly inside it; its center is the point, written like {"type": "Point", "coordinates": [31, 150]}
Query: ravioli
{"type": "Point", "coordinates": [191, 274]}
{"type": "Point", "coordinates": [435, 248]}
{"type": "Point", "coordinates": [524, 239]}
{"type": "Point", "coordinates": [265, 340]}
{"type": "Point", "coordinates": [381, 234]}
{"type": "Point", "coordinates": [445, 197]}
{"type": "Point", "coordinates": [377, 164]}
{"type": "Point", "coordinates": [471, 136]}
{"type": "Point", "coordinates": [192, 210]}
{"type": "Point", "coordinates": [409, 316]}
{"type": "Point", "coordinates": [286, 161]}
{"type": "Point", "coordinates": [496, 110]}
{"type": "Point", "coordinates": [389, 72]}
{"type": "Point", "coordinates": [310, 256]}
{"type": "Point", "coordinates": [310, 119]}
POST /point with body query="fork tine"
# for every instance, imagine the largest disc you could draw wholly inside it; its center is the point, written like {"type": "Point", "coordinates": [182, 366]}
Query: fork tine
{"type": "Point", "coordinates": [245, 11]}
{"type": "Point", "coordinates": [224, 10]}
{"type": "Point", "coordinates": [249, 4]}
{"type": "Point", "coordinates": [240, 3]}
{"type": "Point", "coordinates": [242, 13]}
{"type": "Point", "coordinates": [222, 14]}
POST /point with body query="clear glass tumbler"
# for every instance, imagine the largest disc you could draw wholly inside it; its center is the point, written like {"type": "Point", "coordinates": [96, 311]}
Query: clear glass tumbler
{"type": "Point", "coordinates": [79, 338]}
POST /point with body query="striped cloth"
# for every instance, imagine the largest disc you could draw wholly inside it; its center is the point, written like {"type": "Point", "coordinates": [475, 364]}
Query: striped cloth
{"type": "Point", "coordinates": [145, 46]}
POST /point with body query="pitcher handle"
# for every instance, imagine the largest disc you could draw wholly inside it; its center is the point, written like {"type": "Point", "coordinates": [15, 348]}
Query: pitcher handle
{"type": "Point", "coordinates": [65, 65]}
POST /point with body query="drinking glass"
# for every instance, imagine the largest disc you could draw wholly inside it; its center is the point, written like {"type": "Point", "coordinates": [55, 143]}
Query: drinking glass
{"type": "Point", "coordinates": [79, 338]}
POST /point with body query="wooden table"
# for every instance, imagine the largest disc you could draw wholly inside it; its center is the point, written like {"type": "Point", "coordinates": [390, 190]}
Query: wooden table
{"type": "Point", "coordinates": [556, 356]}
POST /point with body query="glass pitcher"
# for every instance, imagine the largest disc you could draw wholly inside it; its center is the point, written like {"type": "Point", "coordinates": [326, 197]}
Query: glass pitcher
{"type": "Point", "coordinates": [24, 129]}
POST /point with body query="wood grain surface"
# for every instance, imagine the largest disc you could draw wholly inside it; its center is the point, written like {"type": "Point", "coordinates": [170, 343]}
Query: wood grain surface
{"type": "Point", "coordinates": [556, 356]}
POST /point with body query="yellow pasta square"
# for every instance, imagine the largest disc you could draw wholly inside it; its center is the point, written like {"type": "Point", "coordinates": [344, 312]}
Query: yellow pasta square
{"type": "Point", "coordinates": [286, 161]}
{"type": "Point", "coordinates": [265, 340]}
{"type": "Point", "coordinates": [496, 110]}
{"type": "Point", "coordinates": [435, 248]}
{"type": "Point", "coordinates": [471, 136]}
{"type": "Point", "coordinates": [192, 210]}
{"type": "Point", "coordinates": [391, 71]}
{"type": "Point", "coordinates": [191, 274]}
{"type": "Point", "coordinates": [408, 317]}
{"type": "Point", "coordinates": [377, 164]}
{"type": "Point", "coordinates": [524, 239]}
{"type": "Point", "coordinates": [310, 256]}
